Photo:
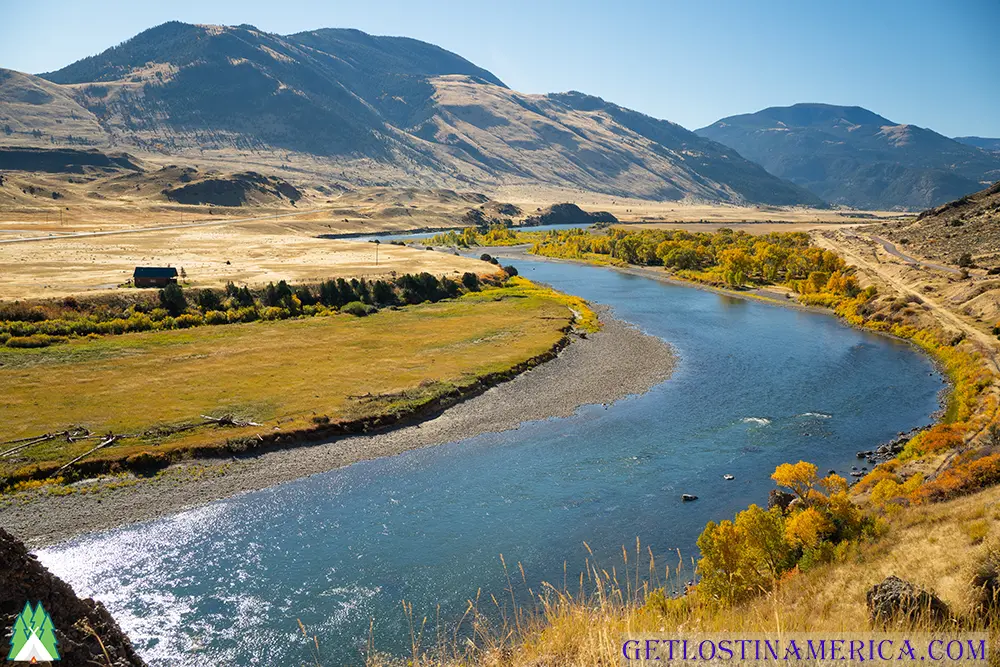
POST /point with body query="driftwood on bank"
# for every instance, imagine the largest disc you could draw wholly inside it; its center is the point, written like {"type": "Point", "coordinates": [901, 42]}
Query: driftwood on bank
{"type": "Point", "coordinates": [228, 420]}
{"type": "Point", "coordinates": [105, 443]}
{"type": "Point", "coordinates": [23, 443]}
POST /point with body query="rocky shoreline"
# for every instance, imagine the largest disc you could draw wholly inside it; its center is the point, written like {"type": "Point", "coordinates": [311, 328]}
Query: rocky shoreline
{"type": "Point", "coordinates": [87, 634]}
{"type": "Point", "coordinates": [610, 365]}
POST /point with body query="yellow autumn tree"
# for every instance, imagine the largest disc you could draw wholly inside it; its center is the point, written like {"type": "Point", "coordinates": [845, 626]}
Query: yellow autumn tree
{"type": "Point", "coordinates": [727, 570]}
{"type": "Point", "coordinates": [808, 528]}
{"type": "Point", "coordinates": [799, 477]}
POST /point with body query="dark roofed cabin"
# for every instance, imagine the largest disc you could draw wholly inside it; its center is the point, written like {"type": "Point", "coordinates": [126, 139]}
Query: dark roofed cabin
{"type": "Point", "coordinates": [154, 276]}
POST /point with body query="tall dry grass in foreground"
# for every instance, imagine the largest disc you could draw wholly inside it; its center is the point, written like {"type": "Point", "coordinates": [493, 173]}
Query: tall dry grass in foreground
{"type": "Point", "coordinates": [941, 548]}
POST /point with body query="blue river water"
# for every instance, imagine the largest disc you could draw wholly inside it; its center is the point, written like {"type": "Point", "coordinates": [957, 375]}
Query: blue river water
{"type": "Point", "coordinates": [755, 385]}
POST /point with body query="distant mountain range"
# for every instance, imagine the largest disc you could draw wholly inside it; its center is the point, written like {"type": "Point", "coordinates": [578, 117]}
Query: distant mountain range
{"type": "Point", "coordinates": [852, 156]}
{"type": "Point", "coordinates": [987, 144]}
{"type": "Point", "coordinates": [366, 110]}
{"type": "Point", "coordinates": [355, 109]}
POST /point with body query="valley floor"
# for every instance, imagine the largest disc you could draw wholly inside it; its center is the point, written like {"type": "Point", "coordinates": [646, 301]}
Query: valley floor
{"type": "Point", "coordinates": [604, 367]}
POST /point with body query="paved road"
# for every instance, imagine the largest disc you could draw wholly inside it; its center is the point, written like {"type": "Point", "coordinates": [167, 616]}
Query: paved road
{"type": "Point", "coordinates": [894, 251]}
{"type": "Point", "coordinates": [139, 230]}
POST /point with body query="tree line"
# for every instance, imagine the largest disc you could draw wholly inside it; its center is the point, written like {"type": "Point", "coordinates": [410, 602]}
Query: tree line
{"type": "Point", "coordinates": [725, 257]}
{"type": "Point", "coordinates": [174, 307]}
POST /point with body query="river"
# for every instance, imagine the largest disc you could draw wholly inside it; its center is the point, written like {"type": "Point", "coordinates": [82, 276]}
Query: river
{"type": "Point", "coordinates": [755, 385]}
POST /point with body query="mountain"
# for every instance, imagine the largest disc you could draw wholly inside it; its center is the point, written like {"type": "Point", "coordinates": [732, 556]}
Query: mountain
{"type": "Point", "coordinates": [987, 144]}
{"type": "Point", "coordinates": [852, 156]}
{"type": "Point", "coordinates": [366, 110]}
{"type": "Point", "coordinates": [970, 224]}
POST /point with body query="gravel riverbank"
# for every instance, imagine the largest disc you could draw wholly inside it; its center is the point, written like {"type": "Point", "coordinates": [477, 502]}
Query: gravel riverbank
{"type": "Point", "coordinates": [617, 362]}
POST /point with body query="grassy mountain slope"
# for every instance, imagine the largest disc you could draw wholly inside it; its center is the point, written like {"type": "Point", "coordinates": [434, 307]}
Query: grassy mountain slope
{"type": "Point", "coordinates": [970, 224]}
{"type": "Point", "coordinates": [849, 155]}
{"type": "Point", "coordinates": [33, 110]}
{"type": "Point", "coordinates": [381, 110]}
{"type": "Point", "coordinates": [986, 143]}
{"type": "Point", "coordinates": [586, 142]}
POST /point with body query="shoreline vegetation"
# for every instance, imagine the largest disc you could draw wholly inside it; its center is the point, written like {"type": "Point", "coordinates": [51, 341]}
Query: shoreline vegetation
{"type": "Point", "coordinates": [795, 564]}
{"type": "Point", "coordinates": [611, 364]}
{"type": "Point", "coordinates": [153, 398]}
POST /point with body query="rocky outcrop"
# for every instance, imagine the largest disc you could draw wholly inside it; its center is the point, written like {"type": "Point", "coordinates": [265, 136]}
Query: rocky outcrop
{"type": "Point", "coordinates": [898, 603]}
{"type": "Point", "coordinates": [237, 190]}
{"type": "Point", "coordinates": [779, 499]}
{"type": "Point", "coordinates": [86, 632]}
{"type": "Point", "coordinates": [889, 450]}
{"type": "Point", "coordinates": [567, 214]}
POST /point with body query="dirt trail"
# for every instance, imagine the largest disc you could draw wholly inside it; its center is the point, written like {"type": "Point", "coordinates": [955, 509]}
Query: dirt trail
{"type": "Point", "coordinates": [874, 267]}
{"type": "Point", "coordinates": [893, 250]}
{"type": "Point", "coordinates": [987, 344]}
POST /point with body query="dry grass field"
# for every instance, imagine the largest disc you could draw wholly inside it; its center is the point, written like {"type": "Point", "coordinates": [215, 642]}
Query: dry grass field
{"type": "Point", "coordinates": [96, 226]}
{"type": "Point", "coordinates": [281, 375]}
{"type": "Point", "coordinates": [210, 256]}
{"type": "Point", "coordinates": [640, 210]}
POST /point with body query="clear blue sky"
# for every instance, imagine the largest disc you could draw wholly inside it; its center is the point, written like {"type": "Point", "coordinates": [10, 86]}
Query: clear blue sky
{"type": "Point", "coordinates": [934, 64]}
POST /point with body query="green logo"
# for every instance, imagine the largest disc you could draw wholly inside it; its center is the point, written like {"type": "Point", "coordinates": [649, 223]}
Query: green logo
{"type": "Point", "coordinates": [34, 639]}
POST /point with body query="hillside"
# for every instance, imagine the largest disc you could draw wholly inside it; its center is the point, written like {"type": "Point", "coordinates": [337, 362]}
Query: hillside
{"type": "Point", "coordinates": [970, 224]}
{"type": "Point", "coordinates": [986, 143]}
{"type": "Point", "coordinates": [356, 109]}
{"type": "Point", "coordinates": [852, 156]}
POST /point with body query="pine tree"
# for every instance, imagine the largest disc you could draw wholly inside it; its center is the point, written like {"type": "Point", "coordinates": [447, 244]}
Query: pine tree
{"type": "Point", "coordinates": [21, 631]}
{"type": "Point", "coordinates": [47, 635]}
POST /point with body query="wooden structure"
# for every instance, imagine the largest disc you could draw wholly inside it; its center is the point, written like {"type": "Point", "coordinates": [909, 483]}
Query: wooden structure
{"type": "Point", "coordinates": [154, 276]}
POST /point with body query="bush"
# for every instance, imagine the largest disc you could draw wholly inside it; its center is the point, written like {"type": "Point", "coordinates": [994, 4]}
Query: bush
{"type": "Point", "coordinates": [510, 270]}
{"type": "Point", "coordinates": [187, 320]}
{"type": "Point", "coordinates": [139, 322]}
{"type": "Point", "coordinates": [209, 300]}
{"type": "Point", "coordinates": [984, 581]}
{"type": "Point", "coordinates": [248, 314]}
{"type": "Point", "coordinates": [272, 313]}
{"type": "Point", "coordinates": [38, 340]}
{"type": "Point", "coordinates": [358, 309]}
{"type": "Point", "coordinates": [961, 479]}
{"type": "Point", "coordinates": [470, 281]}
{"type": "Point", "coordinates": [216, 317]}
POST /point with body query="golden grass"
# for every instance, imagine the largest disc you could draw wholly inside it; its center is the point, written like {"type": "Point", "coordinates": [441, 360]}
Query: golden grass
{"type": "Point", "coordinates": [284, 375]}
{"type": "Point", "coordinates": [926, 545]}
{"type": "Point", "coordinates": [210, 257]}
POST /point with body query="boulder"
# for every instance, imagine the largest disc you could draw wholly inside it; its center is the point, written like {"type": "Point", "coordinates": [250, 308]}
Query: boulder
{"type": "Point", "coordinates": [778, 498]}
{"type": "Point", "coordinates": [896, 602]}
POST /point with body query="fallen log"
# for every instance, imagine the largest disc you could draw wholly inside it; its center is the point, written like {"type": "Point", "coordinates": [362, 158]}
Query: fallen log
{"type": "Point", "coordinates": [37, 440]}
{"type": "Point", "coordinates": [107, 442]}
{"type": "Point", "coordinates": [71, 436]}
{"type": "Point", "coordinates": [228, 420]}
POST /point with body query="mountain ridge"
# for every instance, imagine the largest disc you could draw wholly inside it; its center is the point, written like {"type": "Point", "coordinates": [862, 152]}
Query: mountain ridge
{"type": "Point", "coordinates": [376, 111]}
{"type": "Point", "coordinates": [852, 156]}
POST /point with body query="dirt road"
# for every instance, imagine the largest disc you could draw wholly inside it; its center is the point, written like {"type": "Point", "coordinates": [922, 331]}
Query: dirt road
{"type": "Point", "coordinates": [894, 251]}
{"type": "Point", "coordinates": [873, 267]}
